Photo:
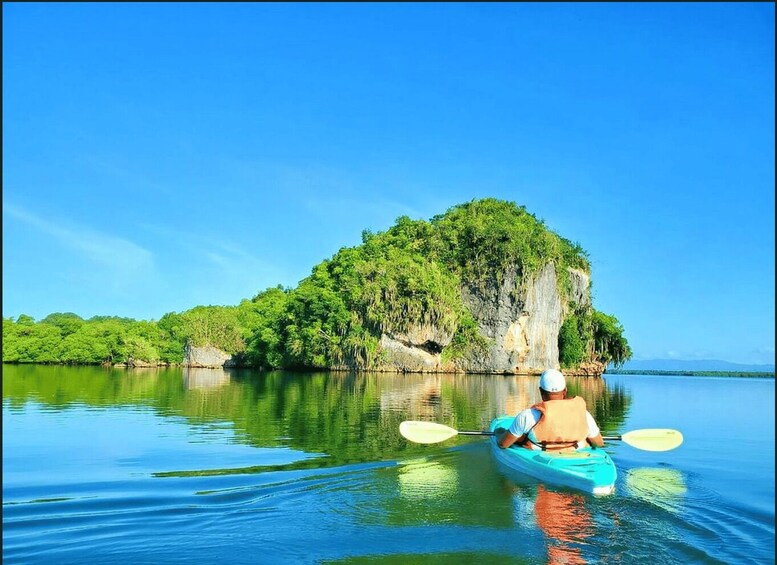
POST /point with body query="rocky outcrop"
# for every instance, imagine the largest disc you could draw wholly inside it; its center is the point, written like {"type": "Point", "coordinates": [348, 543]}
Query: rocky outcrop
{"type": "Point", "coordinates": [428, 337]}
{"type": "Point", "coordinates": [416, 350]}
{"type": "Point", "coordinates": [207, 357]}
{"type": "Point", "coordinates": [519, 319]}
{"type": "Point", "coordinates": [133, 363]}
{"type": "Point", "coordinates": [403, 356]}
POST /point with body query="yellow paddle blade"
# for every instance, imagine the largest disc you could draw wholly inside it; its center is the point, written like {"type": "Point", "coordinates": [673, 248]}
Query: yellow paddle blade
{"type": "Point", "coordinates": [425, 432]}
{"type": "Point", "coordinates": [653, 439]}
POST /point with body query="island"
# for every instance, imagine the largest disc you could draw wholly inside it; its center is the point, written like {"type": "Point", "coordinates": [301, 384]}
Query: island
{"type": "Point", "coordinates": [485, 287]}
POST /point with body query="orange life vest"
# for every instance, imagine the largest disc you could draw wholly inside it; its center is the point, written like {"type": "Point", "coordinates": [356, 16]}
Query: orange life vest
{"type": "Point", "coordinates": [562, 424]}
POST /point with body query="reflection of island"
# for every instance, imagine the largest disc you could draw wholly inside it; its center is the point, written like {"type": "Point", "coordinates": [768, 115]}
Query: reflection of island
{"type": "Point", "coordinates": [422, 396]}
{"type": "Point", "coordinates": [197, 378]}
{"type": "Point", "coordinates": [518, 395]}
{"type": "Point", "coordinates": [351, 417]}
{"type": "Point", "coordinates": [428, 397]}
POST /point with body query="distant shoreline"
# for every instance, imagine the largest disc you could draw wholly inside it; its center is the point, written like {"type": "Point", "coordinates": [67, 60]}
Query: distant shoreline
{"type": "Point", "coordinates": [736, 374]}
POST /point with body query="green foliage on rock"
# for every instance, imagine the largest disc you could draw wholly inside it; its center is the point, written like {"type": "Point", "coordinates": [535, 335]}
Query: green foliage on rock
{"type": "Point", "coordinates": [572, 344]}
{"type": "Point", "coordinates": [592, 335]}
{"type": "Point", "coordinates": [264, 346]}
{"type": "Point", "coordinates": [483, 238]}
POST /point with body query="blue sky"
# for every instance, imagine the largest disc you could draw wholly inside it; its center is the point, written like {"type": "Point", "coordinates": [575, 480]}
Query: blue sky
{"type": "Point", "coordinates": [162, 156]}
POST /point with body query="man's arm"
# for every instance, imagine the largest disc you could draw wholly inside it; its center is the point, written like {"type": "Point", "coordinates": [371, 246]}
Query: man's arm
{"type": "Point", "coordinates": [594, 435]}
{"type": "Point", "coordinates": [596, 441]}
{"type": "Point", "coordinates": [507, 439]}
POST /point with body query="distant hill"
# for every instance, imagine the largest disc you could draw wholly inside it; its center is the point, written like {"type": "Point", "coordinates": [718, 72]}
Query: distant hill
{"type": "Point", "coordinates": [694, 365]}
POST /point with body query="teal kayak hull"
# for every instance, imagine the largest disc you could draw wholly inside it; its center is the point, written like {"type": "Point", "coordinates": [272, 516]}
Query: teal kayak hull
{"type": "Point", "coordinates": [590, 470]}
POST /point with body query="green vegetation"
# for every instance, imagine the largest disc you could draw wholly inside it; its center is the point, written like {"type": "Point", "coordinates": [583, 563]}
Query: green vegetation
{"type": "Point", "coordinates": [609, 344]}
{"type": "Point", "coordinates": [69, 339]}
{"type": "Point", "coordinates": [573, 336]}
{"type": "Point", "coordinates": [407, 277]}
{"type": "Point", "coordinates": [590, 334]}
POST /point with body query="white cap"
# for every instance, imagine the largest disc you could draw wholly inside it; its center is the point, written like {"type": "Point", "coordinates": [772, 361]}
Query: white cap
{"type": "Point", "coordinates": [552, 380]}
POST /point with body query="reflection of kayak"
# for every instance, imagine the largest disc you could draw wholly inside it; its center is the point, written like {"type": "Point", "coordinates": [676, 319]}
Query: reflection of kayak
{"type": "Point", "coordinates": [590, 470]}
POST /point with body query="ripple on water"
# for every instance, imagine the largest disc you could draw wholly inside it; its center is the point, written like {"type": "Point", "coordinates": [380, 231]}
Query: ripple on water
{"type": "Point", "coordinates": [669, 516]}
{"type": "Point", "coordinates": [103, 516]}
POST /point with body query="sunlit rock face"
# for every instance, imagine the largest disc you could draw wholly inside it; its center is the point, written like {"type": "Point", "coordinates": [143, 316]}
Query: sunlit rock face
{"type": "Point", "coordinates": [581, 287]}
{"type": "Point", "coordinates": [206, 357]}
{"type": "Point", "coordinates": [521, 324]}
{"type": "Point", "coordinates": [519, 319]}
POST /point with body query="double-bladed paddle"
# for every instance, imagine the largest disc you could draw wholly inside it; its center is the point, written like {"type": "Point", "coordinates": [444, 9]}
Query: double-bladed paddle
{"type": "Point", "coordinates": [653, 439]}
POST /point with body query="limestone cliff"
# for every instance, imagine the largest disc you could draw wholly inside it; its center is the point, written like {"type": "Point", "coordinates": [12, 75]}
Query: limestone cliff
{"type": "Point", "coordinates": [520, 321]}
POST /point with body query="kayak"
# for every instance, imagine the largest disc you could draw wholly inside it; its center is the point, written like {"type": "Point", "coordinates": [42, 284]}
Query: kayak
{"type": "Point", "coordinates": [588, 469]}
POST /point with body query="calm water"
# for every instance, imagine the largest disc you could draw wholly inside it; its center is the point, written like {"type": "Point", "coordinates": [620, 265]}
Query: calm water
{"type": "Point", "coordinates": [204, 466]}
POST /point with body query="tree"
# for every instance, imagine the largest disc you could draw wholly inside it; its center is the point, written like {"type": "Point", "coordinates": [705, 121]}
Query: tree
{"type": "Point", "coordinates": [67, 322]}
{"type": "Point", "coordinates": [609, 343]}
{"type": "Point", "coordinates": [571, 347]}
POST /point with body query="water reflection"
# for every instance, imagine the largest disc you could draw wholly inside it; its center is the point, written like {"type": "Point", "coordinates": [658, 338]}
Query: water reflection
{"type": "Point", "coordinates": [566, 522]}
{"type": "Point", "coordinates": [663, 487]}
{"type": "Point", "coordinates": [201, 378]}
{"type": "Point", "coordinates": [563, 516]}
{"type": "Point", "coordinates": [426, 478]}
{"type": "Point", "coordinates": [455, 487]}
{"type": "Point", "coordinates": [350, 417]}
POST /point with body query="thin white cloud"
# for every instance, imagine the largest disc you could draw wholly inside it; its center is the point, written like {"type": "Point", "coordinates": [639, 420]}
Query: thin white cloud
{"type": "Point", "coordinates": [217, 259]}
{"type": "Point", "coordinates": [114, 253]}
{"type": "Point", "coordinates": [126, 175]}
{"type": "Point", "coordinates": [228, 256]}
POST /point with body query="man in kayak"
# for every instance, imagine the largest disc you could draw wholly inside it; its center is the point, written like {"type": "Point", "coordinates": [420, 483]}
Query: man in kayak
{"type": "Point", "coordinates": [555, 423]}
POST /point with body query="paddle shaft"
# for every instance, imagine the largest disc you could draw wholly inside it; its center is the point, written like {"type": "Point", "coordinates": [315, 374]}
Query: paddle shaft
{"type": "Point", "coordinates": [610, 438]}
{"type": "Point", "coordinates": [606, 438]}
